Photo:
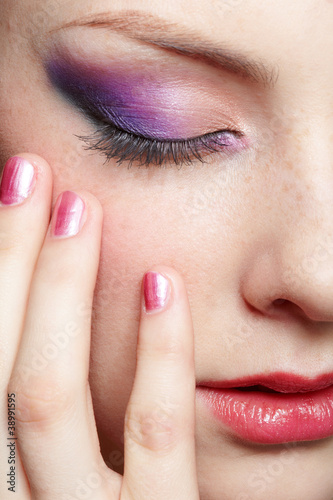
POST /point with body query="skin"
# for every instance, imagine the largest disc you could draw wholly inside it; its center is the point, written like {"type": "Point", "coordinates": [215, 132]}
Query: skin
{"type": "Point", "coordinates": [233, 236]}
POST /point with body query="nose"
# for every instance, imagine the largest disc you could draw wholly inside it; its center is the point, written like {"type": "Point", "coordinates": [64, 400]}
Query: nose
{"type": "Point", "coordinates": [293, 272]}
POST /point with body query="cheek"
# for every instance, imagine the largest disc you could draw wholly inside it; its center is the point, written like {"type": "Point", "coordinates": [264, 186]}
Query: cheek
{"type": "Point", "coordinates": [133, 241]}
{"type": "Point", "coordinates": [140, 230]}
{"type": "Point", "coordinates": [175, 218]}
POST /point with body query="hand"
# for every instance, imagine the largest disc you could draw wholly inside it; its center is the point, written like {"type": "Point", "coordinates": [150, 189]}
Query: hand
{"type": "Point", "coordinates": [47, 287]}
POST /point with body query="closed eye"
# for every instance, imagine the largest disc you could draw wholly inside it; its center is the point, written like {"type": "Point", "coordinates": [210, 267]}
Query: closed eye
{"type": "Point", "coordinates": [114, 142]}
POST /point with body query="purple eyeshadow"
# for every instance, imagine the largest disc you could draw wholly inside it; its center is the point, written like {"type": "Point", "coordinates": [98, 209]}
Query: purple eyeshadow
{"type": "Point", "coordinates": [129, 100]}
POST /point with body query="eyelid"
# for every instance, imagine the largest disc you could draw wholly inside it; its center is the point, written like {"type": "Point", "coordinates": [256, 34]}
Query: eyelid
{"type": "Point", "coordinates": [92, 98]}
{"type": "Point", "coordinates": [208, 103]}
{"type": "Point", "coordinates": [96, 118]}
{"type": "Point", "coordinates": [153, 150]}
{"type": "Point", "coordinates": [127, 147]}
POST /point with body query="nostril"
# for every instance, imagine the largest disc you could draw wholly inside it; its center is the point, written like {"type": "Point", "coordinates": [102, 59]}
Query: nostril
{"type": "Point", "coordinates": [278, 302]}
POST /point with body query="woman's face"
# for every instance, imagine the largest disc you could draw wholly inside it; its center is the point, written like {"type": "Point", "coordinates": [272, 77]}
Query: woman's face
{"type": "Point", "coordinates": [248, 227]}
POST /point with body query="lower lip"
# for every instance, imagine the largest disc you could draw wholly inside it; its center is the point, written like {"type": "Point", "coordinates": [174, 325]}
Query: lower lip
{"type": "Point", "coordinates": [272, 418]}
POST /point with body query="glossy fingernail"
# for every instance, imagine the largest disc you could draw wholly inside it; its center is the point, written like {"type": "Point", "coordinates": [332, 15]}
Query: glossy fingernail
{"type": "Point", "coordinates": [17, 181]}
{"type": "Point", "coordinates": [67, 216]}
{"type": "Point", "coordinates": [156, 291]}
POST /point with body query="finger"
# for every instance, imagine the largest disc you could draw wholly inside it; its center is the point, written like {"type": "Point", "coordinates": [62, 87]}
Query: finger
{"type": "Point", "coordinates": [25, 203]}
{"type": "Point", "coordinates": [160, 417]}
{"type": "Point", "coordinates": [55, 426]}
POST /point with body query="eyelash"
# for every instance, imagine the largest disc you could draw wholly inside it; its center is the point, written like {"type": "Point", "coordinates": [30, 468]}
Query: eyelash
{"type": "Point", "coordinates": [114, 142]}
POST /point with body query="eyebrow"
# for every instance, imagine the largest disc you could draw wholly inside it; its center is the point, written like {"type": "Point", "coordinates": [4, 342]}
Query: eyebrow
{"type": "Point", "coordinates": [180, 39]}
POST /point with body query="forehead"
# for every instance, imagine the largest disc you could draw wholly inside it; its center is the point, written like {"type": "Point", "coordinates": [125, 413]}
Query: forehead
{"type": "Point", "coordinates": [217, 18]}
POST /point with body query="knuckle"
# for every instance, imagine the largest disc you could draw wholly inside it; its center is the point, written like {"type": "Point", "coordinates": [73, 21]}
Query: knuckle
{"type": "Point", "coordinates": [152, 429]}
{"type": "Point", "coordinates": [41, 401]}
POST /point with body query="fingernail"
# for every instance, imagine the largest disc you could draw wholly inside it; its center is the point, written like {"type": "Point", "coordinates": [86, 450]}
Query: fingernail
{"type": "Point", "coordinates": [17, 181]}
{"type": "Point", "coordinates": [156, 291]}
{"type": "Point", "coordinates": [68, 212]}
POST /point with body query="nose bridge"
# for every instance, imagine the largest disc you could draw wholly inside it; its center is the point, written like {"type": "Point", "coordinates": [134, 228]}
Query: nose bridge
{"type": "Point", "coordinates": [307, 251]}
{"type": "Point", "coordinates": [299, 268]}
{"type": "Point", "coordinates": [303, 267]}
{"type": "Point", "coordinates": [308, 159]}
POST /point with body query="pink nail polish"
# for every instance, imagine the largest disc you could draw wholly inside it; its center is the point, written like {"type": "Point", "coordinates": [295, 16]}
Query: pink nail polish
{"type": "Point", "coordinates": [68, 213]}
{"type": "Point", "coordinates": [17, 181]}
{"type": "Point", "coordinates": [156, 291]}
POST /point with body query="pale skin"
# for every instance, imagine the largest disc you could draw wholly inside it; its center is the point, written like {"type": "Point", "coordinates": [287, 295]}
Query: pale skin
{"type": "Point", "coordinates": [233, 237]}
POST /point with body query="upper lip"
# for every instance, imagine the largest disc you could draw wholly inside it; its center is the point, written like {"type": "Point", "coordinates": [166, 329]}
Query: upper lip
{"type": "Point", "coordinates": [277, 381]}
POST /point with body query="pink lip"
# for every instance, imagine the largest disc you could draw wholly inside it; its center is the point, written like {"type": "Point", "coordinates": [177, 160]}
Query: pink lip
{"type": "Point", "coordinates": [301, 410]}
